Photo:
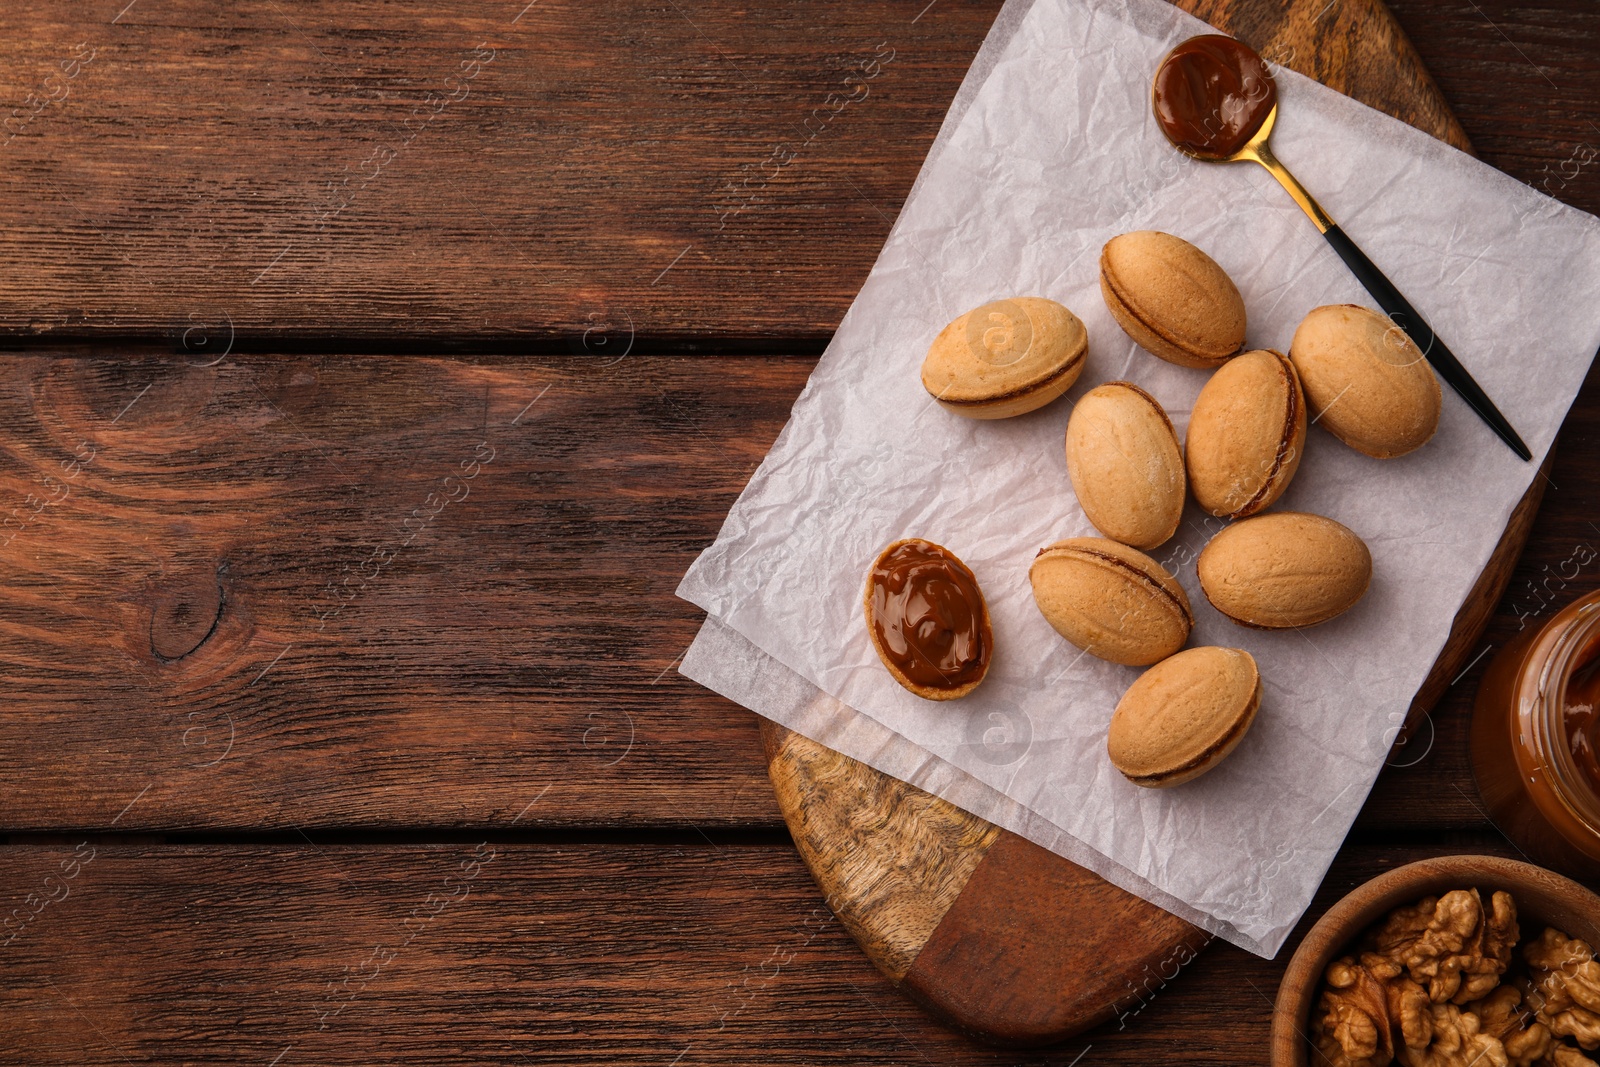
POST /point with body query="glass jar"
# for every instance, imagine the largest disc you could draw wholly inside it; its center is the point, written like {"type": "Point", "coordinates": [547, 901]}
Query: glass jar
{"type": "Point", "coordinates": [1534, 737]}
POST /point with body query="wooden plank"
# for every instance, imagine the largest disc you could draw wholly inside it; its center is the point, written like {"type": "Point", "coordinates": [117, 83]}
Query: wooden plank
{"type": "Point", "coordinates": [511, 953]}
{"type": "Point", "coordinates": [698, 174]}
{"type": "Point", "coordinates": [520, 639]}
{"type": "Point", "coordinates": [491, 169]}
{"type": "Point", "coordinates": [369, 592]}
{"type": "Point", "coordinates": [1525, 81]}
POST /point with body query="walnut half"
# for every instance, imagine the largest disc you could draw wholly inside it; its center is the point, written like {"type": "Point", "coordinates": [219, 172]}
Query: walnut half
{"type": "Point", "coordinates": [1355, 1030]}
{"type": "Point", "coordinates": [1370, 1008]}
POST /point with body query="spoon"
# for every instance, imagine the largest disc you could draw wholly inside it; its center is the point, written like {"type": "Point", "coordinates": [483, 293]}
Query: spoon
{"type": "Point", "coordinates": [1215, 100]}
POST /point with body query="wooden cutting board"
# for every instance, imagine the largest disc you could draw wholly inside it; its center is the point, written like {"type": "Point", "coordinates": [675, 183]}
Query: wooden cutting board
{"type": "Point", "coordinates": [990, 932]}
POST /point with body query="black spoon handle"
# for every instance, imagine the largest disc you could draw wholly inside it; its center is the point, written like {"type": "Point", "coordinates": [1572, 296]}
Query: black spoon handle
{"type": "Point", "coordinates": [1405, 316]}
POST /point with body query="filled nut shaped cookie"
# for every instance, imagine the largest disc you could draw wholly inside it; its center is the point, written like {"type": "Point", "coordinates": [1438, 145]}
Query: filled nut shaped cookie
{"type": "Point", "coordinates": [1125, 464]}
{"type": "Point", "coordinates": [1246, 434]}
{"type": "Point", "coordinates": [1184, 716]}
{"type": "Point", "coordinates": [1172, 299]}
{"type": "Point", "coordinates": [928, 620]}
{"type": "Point", "coordinates": [1365, 380]}
{"type": "Point", "coordinates": [1110, 600]}
{"type": "Point", "coordinates": [1284, 569]}
{"type": "Point", "coordinates": [1006, 358]}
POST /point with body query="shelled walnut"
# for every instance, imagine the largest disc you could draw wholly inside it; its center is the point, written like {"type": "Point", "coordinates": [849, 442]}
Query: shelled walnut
{"type": "Point", "coordinates": [1457, 1041]}
{"type": "Point", "coordinates": [1566, 1056]}
{"type": "Point", "coordinates": [1565, 990]}
{"type": "Point", "coordinates": [1428, 987]}
{"type": "Point", "coordinates": [1365, 1005]}
{"type": "Point", "coordinates": [1527, 1041]}
{"type": "Point", "coordinates": [1451, 945]}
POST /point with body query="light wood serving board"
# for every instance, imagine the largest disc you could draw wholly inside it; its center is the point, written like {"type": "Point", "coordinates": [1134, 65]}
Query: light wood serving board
{"type": "Point", "coordinates": [990, 932]}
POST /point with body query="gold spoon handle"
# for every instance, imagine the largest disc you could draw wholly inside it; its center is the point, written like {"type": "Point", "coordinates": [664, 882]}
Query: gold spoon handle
{"type": "Point", "coordinates": [1392, 301]}
{"type": "Point", "coordinates": [1263, 155]}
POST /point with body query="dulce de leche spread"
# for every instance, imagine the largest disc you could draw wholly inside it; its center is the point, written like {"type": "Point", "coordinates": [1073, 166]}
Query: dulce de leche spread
{"type": "Point", "coordinates": [1212, 94]}
{"type": "Point", "coordinates": [1583, 722]}
{"type": "Point", "coordinates": [1536, 739]}
{"type": "Point", "coordinates": [928, 617]}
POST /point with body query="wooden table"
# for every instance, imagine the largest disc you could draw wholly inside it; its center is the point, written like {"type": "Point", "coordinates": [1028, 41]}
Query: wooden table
{"type": "Point", "coordinates": [377, 370]}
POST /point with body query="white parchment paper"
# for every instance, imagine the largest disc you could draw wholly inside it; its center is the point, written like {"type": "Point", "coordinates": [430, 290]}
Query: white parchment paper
{"type": "Point", "coordinates": [1050, 151]}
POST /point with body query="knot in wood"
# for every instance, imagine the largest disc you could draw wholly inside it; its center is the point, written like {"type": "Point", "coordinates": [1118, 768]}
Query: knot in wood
{"type": "Point", "coordinates": [185, 613]}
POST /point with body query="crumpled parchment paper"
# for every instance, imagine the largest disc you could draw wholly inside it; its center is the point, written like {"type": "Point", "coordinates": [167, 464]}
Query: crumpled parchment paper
{"type": "Point", "coordinates": [1049, 151]}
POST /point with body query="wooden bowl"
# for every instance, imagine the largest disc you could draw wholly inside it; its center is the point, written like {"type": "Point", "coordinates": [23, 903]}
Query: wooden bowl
{"type": "Point", "coordinates": [1543, 898]}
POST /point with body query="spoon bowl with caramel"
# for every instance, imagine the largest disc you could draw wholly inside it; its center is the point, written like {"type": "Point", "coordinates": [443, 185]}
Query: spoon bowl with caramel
{"type": "Point", "coordinates": [1215, 100]}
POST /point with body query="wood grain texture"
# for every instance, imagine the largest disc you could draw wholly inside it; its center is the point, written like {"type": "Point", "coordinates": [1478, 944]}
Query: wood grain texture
{"type": "Point", "coordinates": [889, 858]}
{"type": "Point", "coordinates": [542, 954]}
{"type": "Point", "coordinates": [209, 169]}
{"type": "Point", "coordinates": [993, 934]}
{"type": "Point", "coordinates": [1355, 47]}
{"type": "Point", "coordinates": [1037, 949]}
{"type": "Point", "coordinates": [487, 171]}
{"type": "Point", "coordinates": [66, 643]}
{"type": "Point", "coordinates": [433, 698]}
{"type": "Point", "coordinates": [369, 592]}
{"type": "Point", "coordinates": [1524, 79]}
